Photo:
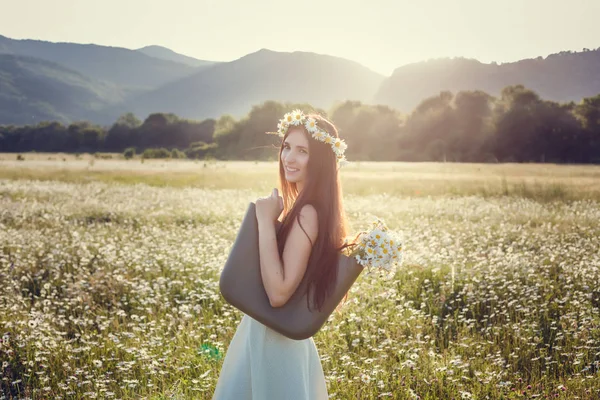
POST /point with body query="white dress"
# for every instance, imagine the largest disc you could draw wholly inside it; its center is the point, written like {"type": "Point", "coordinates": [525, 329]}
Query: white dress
{"type": "Point", "coordinates": [261, 364]}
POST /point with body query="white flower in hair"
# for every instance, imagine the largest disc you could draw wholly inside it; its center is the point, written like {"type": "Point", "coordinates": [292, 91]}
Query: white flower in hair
{"type": "Point", "coordinates": [288, 118]}
{"type": "Point", "coordinates": [311, 125]}
{"type": "Point", "coordinates": [297, 117]}
{"type": "Point", "coordinates": [339, 146]}
{"type": "Point", "coordinates": [319, 135]}
{"type": "Point", "coordinates": [282, 127]}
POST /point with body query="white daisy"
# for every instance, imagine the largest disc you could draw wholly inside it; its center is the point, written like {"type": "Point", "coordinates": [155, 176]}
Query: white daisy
{"type": "Point", "coordinates": [378, 236]}
{"type": "Point", "coordinates": [288, 117]}
{"type": "Point", "coordinates": [282, 127]}
{"type": "Point", "coordinates": [340, 145]}
{"type": "Point", "coordinates": [297, 117]}
{"type": "Point", "coordinates": [311, 125]}
{"type": "Point", "coordinates": [337, 147]}
{"type": "Point", "coordinates": [318, 135]}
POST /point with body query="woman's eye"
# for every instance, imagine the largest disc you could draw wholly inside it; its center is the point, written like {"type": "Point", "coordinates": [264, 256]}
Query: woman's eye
{"type": "Point", "coordinates": [287, 147]}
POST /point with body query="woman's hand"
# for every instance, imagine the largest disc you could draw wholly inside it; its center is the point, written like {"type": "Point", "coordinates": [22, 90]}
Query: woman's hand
{"type": "Point", "coordinates": [269, 208]}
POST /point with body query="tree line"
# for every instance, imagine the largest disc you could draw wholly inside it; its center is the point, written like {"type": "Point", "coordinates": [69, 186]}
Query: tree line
{"type": "Point", "coordinates": [469, 126]}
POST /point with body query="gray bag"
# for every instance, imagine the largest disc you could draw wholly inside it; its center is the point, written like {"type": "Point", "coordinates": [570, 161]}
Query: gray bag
{"type": "Point", "coordinates": [241, 286]}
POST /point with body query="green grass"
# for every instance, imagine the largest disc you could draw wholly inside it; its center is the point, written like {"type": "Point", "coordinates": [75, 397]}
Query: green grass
{"type": "Point", "coordinates": [546, 182]}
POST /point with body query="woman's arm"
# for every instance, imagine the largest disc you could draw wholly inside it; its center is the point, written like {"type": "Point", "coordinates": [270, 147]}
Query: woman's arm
{"type": "Point", "coordinates": [281, 276]}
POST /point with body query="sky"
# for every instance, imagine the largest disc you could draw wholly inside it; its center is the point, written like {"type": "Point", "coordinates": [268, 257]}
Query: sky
{"type": "Point", "coordinates": [380, 34]}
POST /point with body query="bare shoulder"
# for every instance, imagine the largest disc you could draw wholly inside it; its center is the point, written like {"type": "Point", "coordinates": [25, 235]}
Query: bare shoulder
{"type": "Point", "coordinates": [310, 221]}
{"type": "Point", "coordinates": [309, 213]}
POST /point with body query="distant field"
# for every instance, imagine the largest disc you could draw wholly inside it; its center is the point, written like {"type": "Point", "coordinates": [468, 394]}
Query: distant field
{"type": "Point", "coordinates": [109, 279]}
{"type": "Point", "coordinates": [543, 182]}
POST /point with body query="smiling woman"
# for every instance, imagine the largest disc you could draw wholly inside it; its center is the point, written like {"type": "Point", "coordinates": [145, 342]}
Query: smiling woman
{"type": "Point", "coordinates": [260, 362]}
{"type": "Point", "coordinates": [294, 156]}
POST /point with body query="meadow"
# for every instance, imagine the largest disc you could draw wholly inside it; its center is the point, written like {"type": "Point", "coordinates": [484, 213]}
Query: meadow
{"type": "Point", "coordinates": [109, 279]}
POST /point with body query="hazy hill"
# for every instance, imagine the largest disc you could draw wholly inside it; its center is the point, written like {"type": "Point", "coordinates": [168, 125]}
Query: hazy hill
{"type": "Point", "coordinates": [168, 54]}
{"type": "Point", "coordinates": [233, 87]}
{"type": "Point", "coordinates": [86, 81]}
{"type": "Point", "coordinates": [560, 77]}
{"type": "Point", "coordinates": [128, 68]}
{"type": "Point", "coordinates": [34, 90]}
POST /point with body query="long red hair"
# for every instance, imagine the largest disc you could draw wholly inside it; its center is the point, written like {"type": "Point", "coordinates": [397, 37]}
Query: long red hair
{"type": "Point", "coordinates": [322, 189]}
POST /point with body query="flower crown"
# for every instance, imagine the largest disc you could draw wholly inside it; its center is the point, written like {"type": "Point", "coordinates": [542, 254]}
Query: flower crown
{"type": "Point", "coordinates": [297, 117]}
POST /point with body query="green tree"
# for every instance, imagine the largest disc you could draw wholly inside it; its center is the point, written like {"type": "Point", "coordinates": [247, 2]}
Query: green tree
{"type": "Point", "coordinates": [129, 153]}
{"type": "Point", "coordinates": [433, 121]}
{"type": "Point", "coordinates": [588, 113]}
{"type": "Point", "coordinates": [473, 126]}
{"type": "Point", "coordinates": [516, 118]}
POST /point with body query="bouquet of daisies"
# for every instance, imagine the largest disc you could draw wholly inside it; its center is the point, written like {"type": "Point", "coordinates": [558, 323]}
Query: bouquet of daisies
{"type": "Point", "coordinates": [378, 249]}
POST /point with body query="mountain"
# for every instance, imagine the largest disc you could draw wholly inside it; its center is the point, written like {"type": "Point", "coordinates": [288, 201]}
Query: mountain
{"type": "Point", "coordinates": [67, 81]}
{"type": "Point", "coordinates": [233, 87]}
{"type": "Point", "coordinates": [562, 77]}
{"type": "Point", "coordinates": [168, 54]}
{"type": "Point", "coordinates": [34, 90]}
{"type": "Point", "coordinates": [129, 69]}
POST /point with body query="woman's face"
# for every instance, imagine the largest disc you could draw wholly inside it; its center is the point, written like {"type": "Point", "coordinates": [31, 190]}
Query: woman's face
{"type": "Point", "coordinates": [294, 156]}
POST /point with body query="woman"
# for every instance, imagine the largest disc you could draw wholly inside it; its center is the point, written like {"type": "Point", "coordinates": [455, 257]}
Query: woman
{"type": "Point", "coordinates": [261, 363]}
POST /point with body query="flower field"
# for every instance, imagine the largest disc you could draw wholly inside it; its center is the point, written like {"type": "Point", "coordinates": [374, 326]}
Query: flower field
{"type": "Point", "coordinates": [109, 280]}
